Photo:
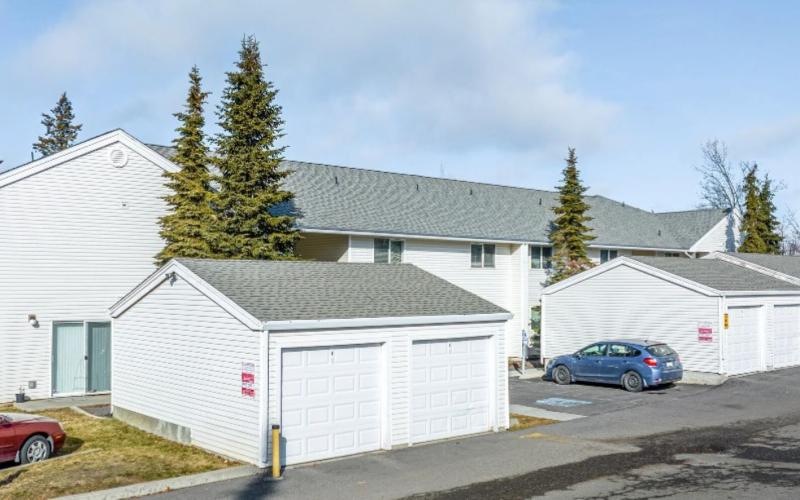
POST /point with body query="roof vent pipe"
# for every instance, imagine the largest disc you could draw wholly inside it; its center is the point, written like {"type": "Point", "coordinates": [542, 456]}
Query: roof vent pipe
{"type": "Point", "coordinates": [540, 202]}
{"type": "Point", "coordinates": [470, 191]}
{"type": "Point", "coordinates": [659, 232]}
{"type": "Point", "coordinates": [336, 179]}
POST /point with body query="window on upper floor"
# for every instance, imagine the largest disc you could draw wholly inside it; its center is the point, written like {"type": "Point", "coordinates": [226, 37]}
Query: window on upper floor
{"type": "Point", "coordinates": [672, 254]}
{"type": "Point", "coordinates": [482, 255]}
{"type": "Point", "coordinates": [388, 251]}
{"type": "Point", "coordinates": [541, 257]}
{"type": "Point", "coordinates": [606, 255]}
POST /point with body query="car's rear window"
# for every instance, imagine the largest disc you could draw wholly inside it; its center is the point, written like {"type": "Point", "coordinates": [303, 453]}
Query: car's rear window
{"type": "Point", "coordinates": [660, 350]}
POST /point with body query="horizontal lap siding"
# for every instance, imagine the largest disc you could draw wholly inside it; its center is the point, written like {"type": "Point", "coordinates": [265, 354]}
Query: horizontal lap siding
{"type": "Point", "coordinates": [396, 342]}
{"type": "Point", "coordinates": [627, 303]}
{"type": "Point", "coordinates": [178, 357]}
{"type": "Point", "coordinates": [322, 247]}
{"type": "Point", "coordinates": [73, 240]}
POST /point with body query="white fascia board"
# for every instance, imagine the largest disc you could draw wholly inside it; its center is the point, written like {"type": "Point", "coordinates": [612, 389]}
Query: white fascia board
{"type": "Point", "coordinates": [81, 149]}
{"type": "Point", "coordinates": [732, 259]}
{"type": "Point", "coordinates": [374, 234]}
{"type": "Point", "coordinates": [762, 293]}
{"type": "Point", "coordinates": [635, 264]}
{"type": "Point", "coordinates": [181, 271]}
{"type": "Point", "coordinates": [725, 220]}
{"type": "Point", "coordinates": [386, 321]}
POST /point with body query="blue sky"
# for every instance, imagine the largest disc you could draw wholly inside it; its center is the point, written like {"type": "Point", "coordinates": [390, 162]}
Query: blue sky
{"type": "Point", "coordinates": [491, 91]}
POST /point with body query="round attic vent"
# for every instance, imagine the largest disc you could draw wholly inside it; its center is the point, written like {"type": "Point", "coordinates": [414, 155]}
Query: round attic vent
{"type": "Point", "coordinates": [118, 157]}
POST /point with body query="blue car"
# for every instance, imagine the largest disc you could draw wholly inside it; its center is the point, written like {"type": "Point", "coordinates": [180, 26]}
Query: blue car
{"type": "Point", "coordinates": [633, 364]}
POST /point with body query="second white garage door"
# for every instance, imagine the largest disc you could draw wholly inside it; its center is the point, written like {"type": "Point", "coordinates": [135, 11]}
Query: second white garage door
{"type": "Point", "coordinates": [450, 388]}
{"type": "Point", "coordinates": [330, 402]}
{"type": "Point", "coordinates": [743, 353]}
{"type": "Point", "coordinates": [786, 348]}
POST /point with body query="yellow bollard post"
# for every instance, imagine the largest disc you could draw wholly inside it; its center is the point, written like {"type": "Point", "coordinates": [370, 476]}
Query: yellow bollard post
{"type": "Point", "coordinates": [276, 451]}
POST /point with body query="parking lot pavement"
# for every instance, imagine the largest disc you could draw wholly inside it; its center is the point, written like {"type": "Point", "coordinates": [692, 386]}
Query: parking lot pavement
{"type": "Point", "coordinates": [590, 399]}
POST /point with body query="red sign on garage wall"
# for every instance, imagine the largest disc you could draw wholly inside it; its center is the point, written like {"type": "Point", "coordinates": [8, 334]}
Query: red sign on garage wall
{"type": "Point", "coordinates": [248, 380]}
{"type": "Point", "coordinates": [705, 333]}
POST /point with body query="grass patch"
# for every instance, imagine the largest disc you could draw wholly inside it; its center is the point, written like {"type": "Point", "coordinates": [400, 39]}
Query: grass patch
{"type": "Point", "coordinates": [103, 453]}
{"type": "Point", "coordinates": [519, 422]}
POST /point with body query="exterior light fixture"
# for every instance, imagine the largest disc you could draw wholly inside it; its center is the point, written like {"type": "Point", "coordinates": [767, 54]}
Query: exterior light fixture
{"type": "Point", "coordinates": [33, 321]}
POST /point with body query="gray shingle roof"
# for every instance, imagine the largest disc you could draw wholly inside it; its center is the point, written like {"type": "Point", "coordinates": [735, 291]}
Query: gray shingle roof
{"type": "Point", "coordinates": [349, 199]}
{"type": "Point", "coordinates": [781, 263]}
{"type": "Point", "coordinates": [305, 290]}
{"type": "Point", "coordinates": [717, 274]}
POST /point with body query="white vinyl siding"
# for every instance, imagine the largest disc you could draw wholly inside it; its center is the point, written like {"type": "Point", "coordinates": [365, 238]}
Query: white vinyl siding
{"type": "Point", "coordinates": [73, 240]}
{"type": "Point", "coordinates": [178, 357]}
{"type": "Point", "coordinates": [395, 345]}
{"type": "Point", "coordinates": [723, 237]}
{"type": "Point", "coordinates": [626, 303]}
{"type": "Point", "coordinates": [322, 247]}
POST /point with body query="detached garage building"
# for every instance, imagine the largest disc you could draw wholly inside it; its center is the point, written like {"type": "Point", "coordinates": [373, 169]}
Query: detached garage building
{"type": "Point", "coordinates": [347, 358]}
{"type": "Point", "coordinates": [721, 317]}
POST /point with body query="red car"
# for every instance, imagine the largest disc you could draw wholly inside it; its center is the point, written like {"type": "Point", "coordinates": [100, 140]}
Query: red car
{"type": "Point", "coordinates": [26, 438]}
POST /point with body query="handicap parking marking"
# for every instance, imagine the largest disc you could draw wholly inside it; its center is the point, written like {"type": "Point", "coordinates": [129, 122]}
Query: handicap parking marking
{"type": "Point", "coordinates": [562, 402]}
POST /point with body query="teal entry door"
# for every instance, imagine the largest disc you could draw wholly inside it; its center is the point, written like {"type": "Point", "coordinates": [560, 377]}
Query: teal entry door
{"type": "Point", "coordinates": [81, 357]}
{"type": "Point", "coordinates": [99, 340]}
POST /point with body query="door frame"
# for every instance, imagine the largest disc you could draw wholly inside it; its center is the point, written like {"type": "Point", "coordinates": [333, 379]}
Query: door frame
{"type": "Point", "coordinates": [760, 337]}
{"type": "Point", "coordinates": [285, 343]}
{"type": "Point", "coordinates": [491, 364]}
{"type": "Point", "coordinates": [85, 323]}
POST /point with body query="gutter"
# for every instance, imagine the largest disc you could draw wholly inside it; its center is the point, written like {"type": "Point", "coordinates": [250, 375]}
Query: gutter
{"type": "Point", "coordinates": [312, 324]}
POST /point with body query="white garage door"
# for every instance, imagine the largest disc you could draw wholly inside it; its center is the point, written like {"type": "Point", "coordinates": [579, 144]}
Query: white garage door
{"type": "Point", "coordinates": [450, 388]}
{"type": "Point", "coordinates": [330, 402]}
{"type": "Point", "coordinates": [786, 348]}
{"type": "Point", "coordinates": [743, 340]}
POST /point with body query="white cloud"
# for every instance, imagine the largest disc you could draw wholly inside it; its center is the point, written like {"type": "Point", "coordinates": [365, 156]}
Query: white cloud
{"type": "Point", "coordinates": [452, 78]}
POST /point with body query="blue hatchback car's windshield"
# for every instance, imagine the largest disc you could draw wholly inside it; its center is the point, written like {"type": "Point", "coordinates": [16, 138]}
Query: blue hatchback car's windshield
{"type": "Point", "coordinates": [660, 350]}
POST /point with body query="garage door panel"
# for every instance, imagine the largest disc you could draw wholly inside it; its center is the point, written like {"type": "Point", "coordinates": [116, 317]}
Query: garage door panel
{"type": "Point", "coordinates": [786, 345]}
{"type": "Point", "coordinates": [330, 401]}
{"type": "Point", "coordinates": [450, 388]}
{"type": "Point", "coordinates": [743, 343]}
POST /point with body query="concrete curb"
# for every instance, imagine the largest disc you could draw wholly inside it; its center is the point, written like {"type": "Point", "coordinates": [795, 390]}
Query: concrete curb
{"type": "Point", "coordinates": [530, 373]}
{"type": "Point", "coordinates": [529, 411]}
{"type": "Point", "coordinates": [700, 378]}
{"type": "Point", "coordinates": [175, 483]}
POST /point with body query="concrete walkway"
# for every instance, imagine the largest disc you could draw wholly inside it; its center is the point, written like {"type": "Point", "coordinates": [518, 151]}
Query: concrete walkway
{"type": "Point", "coordinates": [66, 402]}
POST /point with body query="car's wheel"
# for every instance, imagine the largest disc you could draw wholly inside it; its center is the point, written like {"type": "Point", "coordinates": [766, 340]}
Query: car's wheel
{"type": "Point", "coordinates": [561, 375]}
{"type": "Point", "coordinates": [35, 449]}
{"type": "Point", "coordinates": [632, 382]}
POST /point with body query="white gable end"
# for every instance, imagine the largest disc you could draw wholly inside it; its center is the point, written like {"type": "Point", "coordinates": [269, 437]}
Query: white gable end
{"type": "Point", "coordinates": [77, 233]}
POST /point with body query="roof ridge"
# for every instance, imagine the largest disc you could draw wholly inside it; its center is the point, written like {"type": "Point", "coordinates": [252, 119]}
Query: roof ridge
{"type": "Point", "coordinates": [701, 209]}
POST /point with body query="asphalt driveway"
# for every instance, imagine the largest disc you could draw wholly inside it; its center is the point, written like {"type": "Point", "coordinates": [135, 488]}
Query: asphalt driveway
{"type": "Point", "coordinates": [592, 399]}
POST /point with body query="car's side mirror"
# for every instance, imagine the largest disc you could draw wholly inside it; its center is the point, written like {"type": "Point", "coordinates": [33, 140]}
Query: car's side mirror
{"type": "Point", "coordinates": [4, 420]}
{"type": "Point", "coordinates": [577, 355]}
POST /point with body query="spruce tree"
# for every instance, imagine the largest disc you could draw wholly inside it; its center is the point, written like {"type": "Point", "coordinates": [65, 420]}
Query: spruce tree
{"type": "Point", "coordinates": [769, 221]}
{"type": "Point", "coordinates": [188, 229]}
{"type": "Point", "coordinates": [570, 234]}
{"type": "Point", "coordinates": [752, 226]}
{"type": "Point", "coordinates": [251, 202]}
{"type": "Point", "coordinates": [60, 133]}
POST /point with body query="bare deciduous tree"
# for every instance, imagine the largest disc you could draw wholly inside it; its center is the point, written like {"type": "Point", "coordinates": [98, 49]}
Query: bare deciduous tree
{"type": "Point", "coordinates": [721, 185]}
{"type": "Point", "coordinates": [790, 232]}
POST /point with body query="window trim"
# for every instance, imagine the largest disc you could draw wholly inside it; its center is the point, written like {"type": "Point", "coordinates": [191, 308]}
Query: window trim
{"type": "Point", "coordinates": [483, 264]}
{"type": "Point", "coordinates": [545, 263]}
{"type": "Point", "coordinates": [610, 254]}
{"type": "Point", "coordinates": [389, 250]}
